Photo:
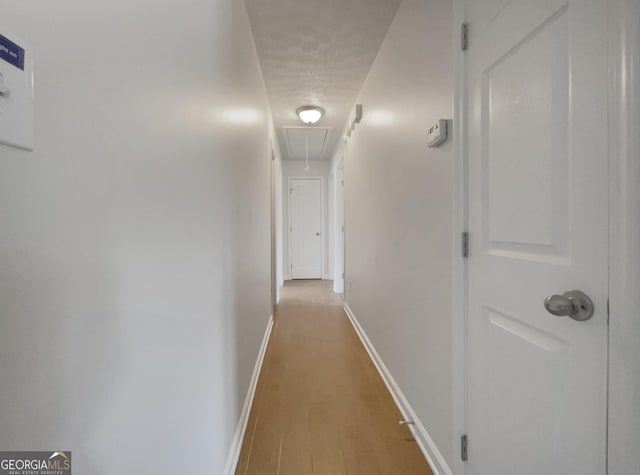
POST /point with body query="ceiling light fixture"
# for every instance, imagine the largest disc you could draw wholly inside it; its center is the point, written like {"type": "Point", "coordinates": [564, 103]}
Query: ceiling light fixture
{"type": "Point", "coordinates": [310, 114]}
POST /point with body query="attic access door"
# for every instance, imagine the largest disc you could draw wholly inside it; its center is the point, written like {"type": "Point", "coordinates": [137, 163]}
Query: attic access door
{"type": "Point", "coordinates": [538, 214]}
{"type": "Point", "coordinates": [305, 227]}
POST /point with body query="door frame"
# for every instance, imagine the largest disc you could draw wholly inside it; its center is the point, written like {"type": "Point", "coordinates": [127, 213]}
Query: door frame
{"type": "Point", "coordinates": [460, 225]}
{"type": "Point", "coordinates": [624, 225]}
{"type": "Point", "coordinates": [273, 224]}
{"type": "Point", "coordinates": [322, 222]}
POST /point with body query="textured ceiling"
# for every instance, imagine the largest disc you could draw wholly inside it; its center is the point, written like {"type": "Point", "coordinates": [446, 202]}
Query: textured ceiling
{"type": "Point", "coordinates": [317, 52]}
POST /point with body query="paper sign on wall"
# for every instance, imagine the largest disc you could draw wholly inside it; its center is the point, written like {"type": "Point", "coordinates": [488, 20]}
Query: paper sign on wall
{"type": "Point", "coordinates": [11, 53]}
{"type": "Point", "coordinates": [16, 92]}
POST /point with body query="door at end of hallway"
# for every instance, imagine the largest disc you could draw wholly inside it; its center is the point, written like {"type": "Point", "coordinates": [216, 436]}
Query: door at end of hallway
{"type": "Point", "coordinates": [305, 227]}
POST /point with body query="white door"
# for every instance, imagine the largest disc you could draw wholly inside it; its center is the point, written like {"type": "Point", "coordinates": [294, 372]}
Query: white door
{"type": "Point", "coordinates": [305, 226]}
{"type": "Point", "coordinates": [537, 164]}
{"type": "Point", "coordinates": [339, 265]}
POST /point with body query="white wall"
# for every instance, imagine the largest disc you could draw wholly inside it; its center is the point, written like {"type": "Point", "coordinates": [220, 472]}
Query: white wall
{"type": "Point", "coordinates": [399, 213]}
{"type": "Point", "coordinates": [295, 168]}
{"type": "Point", "coordinates": [134, 285]}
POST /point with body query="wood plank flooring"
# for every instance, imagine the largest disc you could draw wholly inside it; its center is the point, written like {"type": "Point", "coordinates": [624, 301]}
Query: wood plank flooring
{"type": "Point", "coordinates": [320, 406]}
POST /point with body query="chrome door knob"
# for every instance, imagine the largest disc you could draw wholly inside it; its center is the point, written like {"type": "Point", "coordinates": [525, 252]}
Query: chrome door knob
{"type": "Point", "coordinates": [574, 304]}
{"type": "Point", "coordinates": [317, 234]}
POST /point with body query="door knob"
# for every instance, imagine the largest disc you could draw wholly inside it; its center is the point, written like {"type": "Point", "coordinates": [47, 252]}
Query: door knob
{"type": "Point", "coordinates": [317, 234]}
{"type": "Point", "coordinates": [573, 304]}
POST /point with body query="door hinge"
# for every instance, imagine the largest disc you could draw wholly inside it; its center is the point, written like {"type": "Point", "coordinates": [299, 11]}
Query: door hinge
{"type": "Point", "coordinates": [608, 312]}
{"type": "Point", "coordinates": [464, 36]}
{"type": "Point", "coordinates": [464, 441]}
{"type": "Point", "coordinates": [465, 244]}
{"type": "Point", "coordinates": [291, 191]}
{"type": "Point", "coordinates": [343, 276]}
{"type": "Point", "coordinates": [342, 182]}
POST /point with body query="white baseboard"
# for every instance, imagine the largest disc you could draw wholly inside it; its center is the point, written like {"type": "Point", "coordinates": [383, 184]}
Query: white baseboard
{"type": "Point", "coordinates": [325, 276]}
{"type": "Point", "coordinates": [236, 444]}
{"type": "Point", "coordinates": [424, 440]}
{"type": "Point", "coordinates": [286, 277]}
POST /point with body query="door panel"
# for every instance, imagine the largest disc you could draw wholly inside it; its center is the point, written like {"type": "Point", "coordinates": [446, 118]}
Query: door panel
{"type": "Point", "coordinates": [524, 97]}
{"type": "Point", "coordinates": [538, 226]}
{"type": "Point", "coordinates": [306, 228]}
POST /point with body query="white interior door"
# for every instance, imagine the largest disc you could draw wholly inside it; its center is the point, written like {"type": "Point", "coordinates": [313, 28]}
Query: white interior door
{"type": "Point", "coordinates": [339, 264]}
{"type": "Point", "coordinates": [537, 164]}
{"type": "Point", "coordinates": [305, 198]}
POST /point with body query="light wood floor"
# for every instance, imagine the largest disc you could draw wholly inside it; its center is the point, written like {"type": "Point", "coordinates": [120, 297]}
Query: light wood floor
{"type": "Point", "coordinates": [320, 406]}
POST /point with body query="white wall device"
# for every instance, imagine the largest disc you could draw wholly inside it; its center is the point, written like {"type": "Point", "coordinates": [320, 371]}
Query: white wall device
{"type": "Point", "coordinates": [16, 92]}
{"type": "Point", "coordinates": [356, 116]}
{"type": "Point", "coordinates": [437, 133]}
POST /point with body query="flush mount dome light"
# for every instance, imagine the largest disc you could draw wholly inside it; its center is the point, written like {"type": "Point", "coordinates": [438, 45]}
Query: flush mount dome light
{"type": "Point", "coordinates": [310, 114]}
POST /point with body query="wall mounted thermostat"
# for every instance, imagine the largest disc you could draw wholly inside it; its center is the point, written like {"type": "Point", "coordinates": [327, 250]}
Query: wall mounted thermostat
{"type": "Point", "coordinates": [437, 133]}
{"type": "Point", "coordinates": [16, 92]}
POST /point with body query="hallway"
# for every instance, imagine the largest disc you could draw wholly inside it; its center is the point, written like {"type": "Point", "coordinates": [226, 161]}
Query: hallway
{"type": "Point", "coordinates": [466, 173]}
{"type": "Point", "coordinates": [320, 405]}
